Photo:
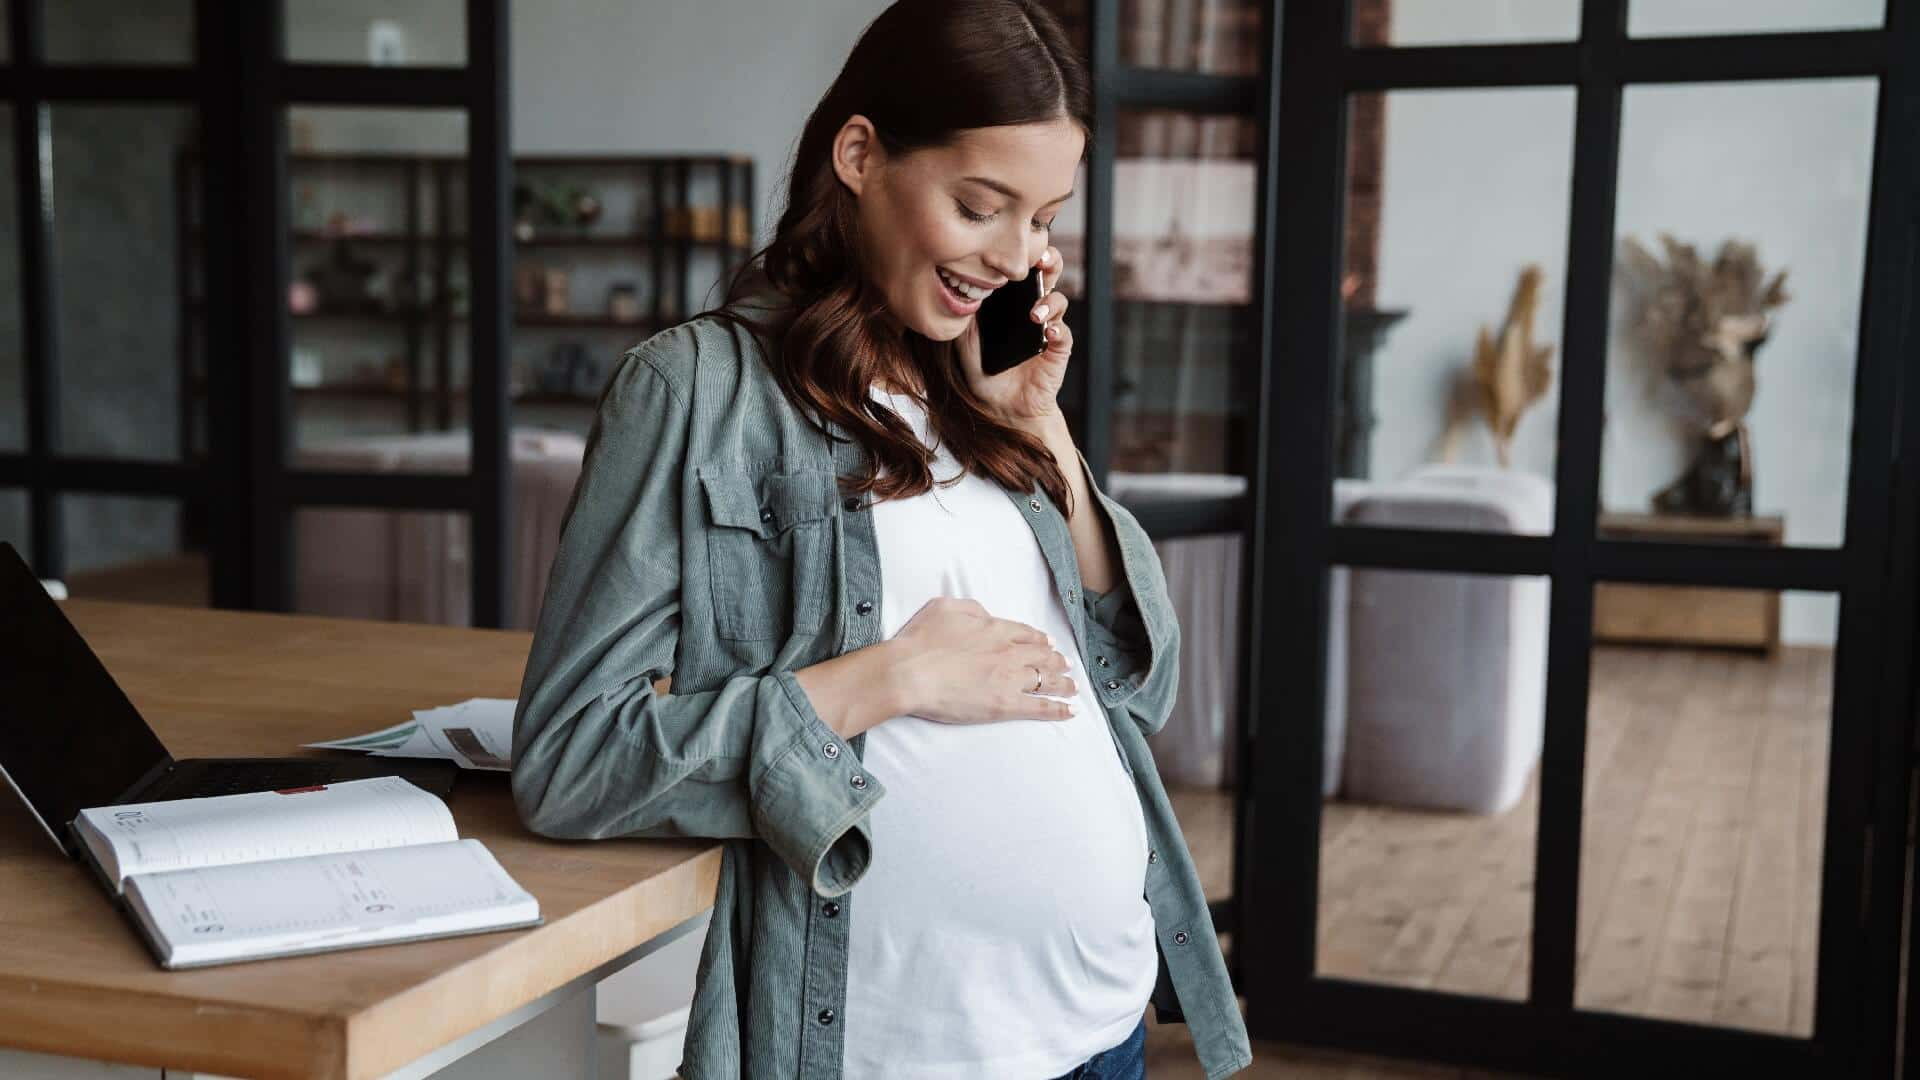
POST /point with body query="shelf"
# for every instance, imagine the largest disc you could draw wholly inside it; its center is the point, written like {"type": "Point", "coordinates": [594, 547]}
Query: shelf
{"type": "Point", "coordinates": [568, 321]}
{"type": "Point", "coordinates": [380, 392]}
{"type": "Point", "coordinates": [580, 322]}
{"type": "Point", "coordinates": [591, 240]}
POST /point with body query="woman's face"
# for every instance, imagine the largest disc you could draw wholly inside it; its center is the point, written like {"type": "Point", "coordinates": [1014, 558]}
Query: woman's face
{"type": "Point", "coordinates": [941, 227]}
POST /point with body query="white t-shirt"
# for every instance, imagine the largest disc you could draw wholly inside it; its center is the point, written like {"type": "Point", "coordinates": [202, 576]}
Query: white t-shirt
{"type": "Point", "coordinates": [1001, 928]}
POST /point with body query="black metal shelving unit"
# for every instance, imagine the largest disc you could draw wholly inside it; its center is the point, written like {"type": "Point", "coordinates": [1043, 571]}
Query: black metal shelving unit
{"type": "Point", "coordinates": [430, 392]}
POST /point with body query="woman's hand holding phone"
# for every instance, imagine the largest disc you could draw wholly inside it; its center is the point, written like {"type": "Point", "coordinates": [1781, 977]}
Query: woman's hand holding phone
{"type": "Point", "coordinates": [1027, 394]}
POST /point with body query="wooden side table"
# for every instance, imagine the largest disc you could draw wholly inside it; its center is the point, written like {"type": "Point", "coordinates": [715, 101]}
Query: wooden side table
{"type": "Point", "coordinates": [1685, 614]}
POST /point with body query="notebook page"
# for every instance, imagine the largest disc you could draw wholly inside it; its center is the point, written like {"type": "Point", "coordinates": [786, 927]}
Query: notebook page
{"type": "Point", "coordinates": [379, 812]}
{"type": "Point", "coordinates": [267, 908]}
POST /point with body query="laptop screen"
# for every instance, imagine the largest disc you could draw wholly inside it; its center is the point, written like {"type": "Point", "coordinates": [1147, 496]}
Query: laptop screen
{"type": "Point", "coordinates": [69, 738]}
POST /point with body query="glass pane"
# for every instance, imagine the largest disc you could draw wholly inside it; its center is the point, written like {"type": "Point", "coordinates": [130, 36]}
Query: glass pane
{"type": "Point", "coordinates": [124, 196]}
{"type": "Point", "coordinates": [109, 32]}
{"type": "Point", "coordinates": [1182, 276]}
{"type": "Point", "coordinates": [400, 566]}
{"type": "Point", "coordinates": [1435, 712]}
{"type": "Point", "coordinates": [1195, 752]}
{"type": "Point", "coordinates": [380, 315]}
{"type": "Point", "coordinates": [1706, 794]}
{"type": "Point", "coordinates": [1448, 381]}
{"type": "Point", "coordinates": [1654, 18]}
{"type": "Point", "coordinates": [1221, 37]}
{"type": "Point", "coordinates": [1463, 22]}
{"type": "Point", "coordinates": [16, 521]}
{"type": "Point", "coordinates": [132, 548]}
{"type": "Point", "coordinates": [378, 33]}
{"type": "Point", "coordinates": [1742, 223]}
{"type": "Point", "coordinates": [13, 386]}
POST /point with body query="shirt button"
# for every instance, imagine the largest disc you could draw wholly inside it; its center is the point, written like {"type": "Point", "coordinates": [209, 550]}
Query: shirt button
{"type": "Point", "coordinates": [826, 1016]}
{"type": "Point", "coordinates": [1113, 684]}
{"type": "Point", "coordinates": [858, 781]}
{"type": "Point", "coordinates": [1035, 503]}
{"type": "Point", "coordinates": [1180, 937]}
{"type": "Point", "coordinates": [832, 750]}
{"type": "Point", "coordinates": [852, 503]}
{"type": "Point", "coordinates": [832, 909]}
{"type": "Point", "coordinates": [1102, 661]}
{"type": "Point", "coordinates": [766, 515]}
{"type": "Point", "coordinates": [864, 607]}
{"type": "Point", "coordinates": [1152, 855]}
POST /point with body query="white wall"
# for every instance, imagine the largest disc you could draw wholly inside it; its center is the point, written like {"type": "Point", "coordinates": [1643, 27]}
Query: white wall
{"type": "Point", "coordinates": [1476, 185]}
{"type": "Point", "coordinates": [721, 75]}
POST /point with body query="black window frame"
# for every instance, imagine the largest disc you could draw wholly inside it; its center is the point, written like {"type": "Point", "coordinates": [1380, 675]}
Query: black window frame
{"type": "Point", "coordinates": [1297, 544]}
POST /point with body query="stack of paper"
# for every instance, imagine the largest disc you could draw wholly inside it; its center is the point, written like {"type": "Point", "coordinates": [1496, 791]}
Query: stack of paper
{"type": "Point", "coordinates": [475, 734]}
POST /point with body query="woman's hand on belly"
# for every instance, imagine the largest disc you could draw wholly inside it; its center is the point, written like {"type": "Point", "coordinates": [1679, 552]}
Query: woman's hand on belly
{"type": "Point", "coordinates": [971, 668]}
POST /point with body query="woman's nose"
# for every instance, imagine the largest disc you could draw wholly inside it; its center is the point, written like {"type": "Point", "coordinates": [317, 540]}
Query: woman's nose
{"type": "Point", "coordinates": [1010, 257]}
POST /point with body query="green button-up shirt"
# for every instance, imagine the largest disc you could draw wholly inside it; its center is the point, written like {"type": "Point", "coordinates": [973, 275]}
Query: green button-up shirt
{"type": "Point", "coordinates": [708, 539]}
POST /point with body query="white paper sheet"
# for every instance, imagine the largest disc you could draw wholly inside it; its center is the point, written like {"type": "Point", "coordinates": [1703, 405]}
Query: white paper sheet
{"type": "Point", "coordinates": [474, 734]}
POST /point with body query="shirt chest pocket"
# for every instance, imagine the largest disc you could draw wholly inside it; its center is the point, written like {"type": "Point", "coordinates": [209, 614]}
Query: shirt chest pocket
{"type": "Point", "coordinates": [769, 552]}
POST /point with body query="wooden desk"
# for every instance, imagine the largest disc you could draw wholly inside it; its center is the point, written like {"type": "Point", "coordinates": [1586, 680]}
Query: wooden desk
{"type": "Point", "coordinates": [76, 981]}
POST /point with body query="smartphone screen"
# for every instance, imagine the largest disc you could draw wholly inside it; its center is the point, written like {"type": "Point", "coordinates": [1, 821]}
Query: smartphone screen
{"type": "Point", "coordinates": [1008, 334]}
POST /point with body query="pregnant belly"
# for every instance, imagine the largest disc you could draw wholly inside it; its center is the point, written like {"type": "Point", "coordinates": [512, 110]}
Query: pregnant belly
{"type": "Point", "coordinates": [1005, 828]}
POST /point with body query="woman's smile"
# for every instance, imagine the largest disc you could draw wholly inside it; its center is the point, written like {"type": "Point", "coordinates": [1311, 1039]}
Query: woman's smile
{"type": "Point", "coordinates": [959, 304]}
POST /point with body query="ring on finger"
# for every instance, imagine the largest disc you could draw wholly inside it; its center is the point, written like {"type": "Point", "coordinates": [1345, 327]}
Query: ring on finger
{"type": "Point", "coordinates": [1038, 678]}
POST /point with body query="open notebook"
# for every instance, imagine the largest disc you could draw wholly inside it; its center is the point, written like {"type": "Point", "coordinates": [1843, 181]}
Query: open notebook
{"type": "Point", "coordinates": [279, 873]}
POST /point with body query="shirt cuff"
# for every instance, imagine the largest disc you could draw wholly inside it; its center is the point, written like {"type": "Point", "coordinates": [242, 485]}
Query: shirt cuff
{"type": "Point", "coordinates": [811, 804]}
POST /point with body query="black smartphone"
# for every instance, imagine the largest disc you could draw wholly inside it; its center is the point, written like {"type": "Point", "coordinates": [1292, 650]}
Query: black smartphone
{"type": "Point", "coordinates": [1008, 334]}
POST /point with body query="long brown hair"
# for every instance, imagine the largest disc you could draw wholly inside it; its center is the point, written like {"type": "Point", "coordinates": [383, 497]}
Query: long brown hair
{"type": "Point", "coordinates": [923, 71]}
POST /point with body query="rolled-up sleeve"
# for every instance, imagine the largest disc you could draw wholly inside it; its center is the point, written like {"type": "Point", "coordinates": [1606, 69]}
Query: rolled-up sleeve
{"type": "Point", "coordinates": [597, 751]}
{"type": "Point", "coordinates": [1133, 636]}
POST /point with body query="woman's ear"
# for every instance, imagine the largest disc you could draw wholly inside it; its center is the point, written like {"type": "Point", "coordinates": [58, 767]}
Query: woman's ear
{"type": "Point", "coordinates": [856, 152]}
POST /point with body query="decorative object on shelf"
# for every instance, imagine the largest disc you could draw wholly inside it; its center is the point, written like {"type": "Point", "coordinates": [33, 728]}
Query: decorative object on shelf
{"type": "Point", "coordinates": [1509, 373]}
{"type": "Point", "coordinates": [386, 43]}
{"type": "Point", "coordinates": [539, 203]}
{"type": "Point", "coordinates": [306, 210]}
{"type": "Point", "coordinates": [459, 290]}
{"type": "Point", "coordinates": [703, 224]}
{"type": "Point", "coordinates": [302, 297]}
{"type": "Point", "coordinates": [1698, 326]}
{"type": "Point", "coordinates": [342, 282]}
{"type": "Point", "coordinates": [623, 301]}
{"type": "Point", "coordinates": [571, 371]}
{"type": "Point", "coordinates": [304, 368]}
{"type": "Point", "coordinates": [587, 374]}
{"type": "Point", "coordinates": [529, 285]}
{"type": "Point", "coordinates": [554, 290]}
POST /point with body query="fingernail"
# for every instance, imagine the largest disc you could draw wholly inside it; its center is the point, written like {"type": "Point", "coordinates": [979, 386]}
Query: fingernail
{"type": "Point", "coordinates": [1040, 312]}
{"type": "Point", "coordinates": [1049, 331]}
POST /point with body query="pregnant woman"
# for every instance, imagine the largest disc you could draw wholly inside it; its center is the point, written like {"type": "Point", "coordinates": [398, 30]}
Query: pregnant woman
{"type": "Point", "coordinates": [830, 593]}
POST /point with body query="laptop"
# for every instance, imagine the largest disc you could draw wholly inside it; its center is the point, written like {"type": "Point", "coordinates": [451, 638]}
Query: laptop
{"type": "Point", "coordinates": [70, 739]}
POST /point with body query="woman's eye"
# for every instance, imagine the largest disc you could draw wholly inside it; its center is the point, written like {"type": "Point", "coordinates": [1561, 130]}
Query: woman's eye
{"type": "Point", "coordinates": [1042, 226]}
{"type": "Point", "coordinates": [967, 212]}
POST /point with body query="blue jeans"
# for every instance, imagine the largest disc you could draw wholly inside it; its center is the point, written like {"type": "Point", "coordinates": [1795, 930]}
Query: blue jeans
{"type": "Point", "coordinates": [1128, 1061]}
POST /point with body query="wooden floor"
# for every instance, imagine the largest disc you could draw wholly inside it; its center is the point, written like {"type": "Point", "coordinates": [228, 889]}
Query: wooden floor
{"type": "Point", "coordinates": [1699, 892]}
